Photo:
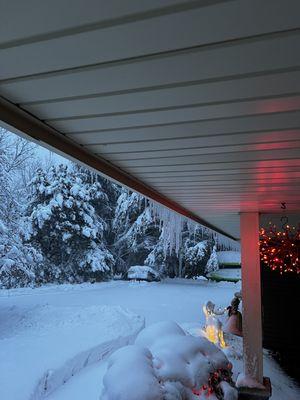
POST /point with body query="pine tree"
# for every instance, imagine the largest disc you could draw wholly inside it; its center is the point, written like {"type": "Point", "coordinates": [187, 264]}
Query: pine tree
{"type": "Point", "coordinates": [135, 228]}
{"type": "Point", "coordinates": [213, 263]}
{"type": "Point", "coordinates": [62, 222]}
{"type": "Point", "coordinates": [163, 259]}
{"type": "Point", "coordinates": [191, 260]}
{"type": "Point", "coordinates": [106, 200]}
{"type": "Point", "coordinates": [196, 252]}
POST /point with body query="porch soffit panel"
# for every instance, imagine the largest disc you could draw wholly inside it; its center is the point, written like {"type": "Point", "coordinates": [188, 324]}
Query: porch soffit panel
{"type": "Point", "coordinates": [198, 101]}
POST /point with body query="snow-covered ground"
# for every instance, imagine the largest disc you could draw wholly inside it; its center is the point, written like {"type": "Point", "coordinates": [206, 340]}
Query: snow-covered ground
{"type": "Point", "coordinates": [177, 300]}
{"type": "Point", "coordinates": [42, 345]}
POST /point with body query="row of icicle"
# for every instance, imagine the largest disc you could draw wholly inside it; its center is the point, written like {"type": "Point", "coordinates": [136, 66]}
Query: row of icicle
{"type": "Point", "coordinates": [173, 223]}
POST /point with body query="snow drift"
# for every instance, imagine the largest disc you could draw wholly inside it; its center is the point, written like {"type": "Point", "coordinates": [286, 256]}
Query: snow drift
{"type": "Point", "coordinates": [43, 346]}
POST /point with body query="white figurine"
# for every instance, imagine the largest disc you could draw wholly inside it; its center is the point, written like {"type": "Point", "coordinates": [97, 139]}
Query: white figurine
{"type": "Point", "coordinates": [213, 327]}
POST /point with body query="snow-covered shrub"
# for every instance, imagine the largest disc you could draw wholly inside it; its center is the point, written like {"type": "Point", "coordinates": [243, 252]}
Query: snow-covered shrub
{"type": "Point", "coordinates": [175, 364]}
{"type": "Point", "coordinates": [131, 376]}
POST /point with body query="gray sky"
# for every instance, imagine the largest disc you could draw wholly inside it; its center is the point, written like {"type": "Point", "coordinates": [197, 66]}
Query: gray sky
{"type": "Point", "coordinates": [46, 155]}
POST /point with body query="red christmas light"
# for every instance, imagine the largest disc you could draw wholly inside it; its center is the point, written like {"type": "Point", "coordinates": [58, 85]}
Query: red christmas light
{"type": "Point", "coordinates": [280, 250]}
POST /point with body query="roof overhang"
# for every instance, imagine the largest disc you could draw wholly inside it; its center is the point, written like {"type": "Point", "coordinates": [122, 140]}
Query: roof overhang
{"type": "Point", "coordinates": [19, 122]}
{"type": "Point", "coordinates": [194, 104]}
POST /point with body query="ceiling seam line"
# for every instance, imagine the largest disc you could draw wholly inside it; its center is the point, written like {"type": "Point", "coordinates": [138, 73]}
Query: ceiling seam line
{"type": "Point", "coordinates": [151, 56]}
{"type": "Point", "coordinates": [173, 108]}
{"type": "Point", "coordinates": [109, 23]}
{"type": "Point", "coordinates": [167, 86]}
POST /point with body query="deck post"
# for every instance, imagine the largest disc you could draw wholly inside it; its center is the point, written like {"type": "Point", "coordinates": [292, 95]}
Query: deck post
{"type": "Point", "coordinates": [251, 296]}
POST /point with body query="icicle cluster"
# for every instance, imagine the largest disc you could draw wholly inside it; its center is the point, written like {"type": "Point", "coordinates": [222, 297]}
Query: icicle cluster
{"type": "Point", "coordinates": [172, 225]}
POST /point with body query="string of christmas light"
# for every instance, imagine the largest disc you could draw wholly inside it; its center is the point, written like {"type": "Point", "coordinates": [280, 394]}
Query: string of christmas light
{"type": "Point", "coordinates": [280, 249]}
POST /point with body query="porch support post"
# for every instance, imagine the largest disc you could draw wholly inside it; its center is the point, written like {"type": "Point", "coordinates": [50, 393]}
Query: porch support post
{"type": "Point", "coordinates": [251, 296]}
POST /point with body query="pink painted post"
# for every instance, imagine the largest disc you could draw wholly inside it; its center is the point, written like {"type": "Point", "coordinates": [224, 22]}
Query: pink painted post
{"type": "Point", "coordinates": [251, 294]}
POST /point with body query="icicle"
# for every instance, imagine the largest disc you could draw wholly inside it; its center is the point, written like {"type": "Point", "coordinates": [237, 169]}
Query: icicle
{"type": "Point", "coordinates": [172, 225]}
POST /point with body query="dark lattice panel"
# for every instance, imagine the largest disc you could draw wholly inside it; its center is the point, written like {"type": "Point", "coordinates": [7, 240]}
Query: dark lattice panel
{"type": "Point", "coordinates": [281, 318]}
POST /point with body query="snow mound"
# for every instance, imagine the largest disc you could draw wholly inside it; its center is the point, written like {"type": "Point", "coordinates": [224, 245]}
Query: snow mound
{"type": "Point", "coordinates": [165, 358]}
{"type": "Point", "coordinates": [148, 337]}
{"type": "Point", "coordinates": [229, 257]}
{"type": "Point", "coordinates": [131, 376]}
{"type": "Point", "coordinates": [35, 361]}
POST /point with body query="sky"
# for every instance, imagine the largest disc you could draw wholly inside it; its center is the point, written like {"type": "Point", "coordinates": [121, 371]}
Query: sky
{"type": "Point", "coordinates": [44, 154]}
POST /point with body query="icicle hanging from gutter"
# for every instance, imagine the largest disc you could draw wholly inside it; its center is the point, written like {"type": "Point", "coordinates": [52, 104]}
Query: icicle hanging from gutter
{"type": "Point", "coordinates": [172, 224]}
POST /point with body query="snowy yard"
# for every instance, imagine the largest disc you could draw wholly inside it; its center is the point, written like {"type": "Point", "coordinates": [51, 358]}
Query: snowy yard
{"type": "Point", "coordinates": [36, 322]}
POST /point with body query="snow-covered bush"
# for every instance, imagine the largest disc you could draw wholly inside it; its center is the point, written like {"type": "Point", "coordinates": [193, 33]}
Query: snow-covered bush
{"type": "Point", "coordinates": [131, 376]}
{"type": "Point", "coordinates": [175, 364]}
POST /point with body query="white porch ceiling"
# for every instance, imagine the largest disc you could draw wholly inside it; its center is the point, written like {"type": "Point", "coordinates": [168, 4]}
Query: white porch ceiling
{"type": "Point", "coordinates": [199, 100]}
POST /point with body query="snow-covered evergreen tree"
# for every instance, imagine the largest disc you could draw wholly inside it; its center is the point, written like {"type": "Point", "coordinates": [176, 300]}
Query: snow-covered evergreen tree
{"type": "Point", "coordinates": [136, 230]}
{"type": "Point", "coordinates": [84, 225]}
{"type": "Point", "coordinates": [195, 258]}
{"type": "Point", "coordinates": [213, 263]}
{"type": "Point", "coordinates": [191, 260]}
{"type": "Point", "coordinates": [163, 259]}
{"type": "Point", "coordinates": [62, 222]}
{"type": "Point", "coordinates": [106, 200]}
{"type": "Point", "coordinates": [197, 247]}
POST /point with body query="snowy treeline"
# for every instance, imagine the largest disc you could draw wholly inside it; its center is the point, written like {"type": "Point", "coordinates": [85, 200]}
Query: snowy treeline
{"type": "Point", "coordinates": [18, 259]}
{"type": "Point", "coordinates": [64, 223]}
